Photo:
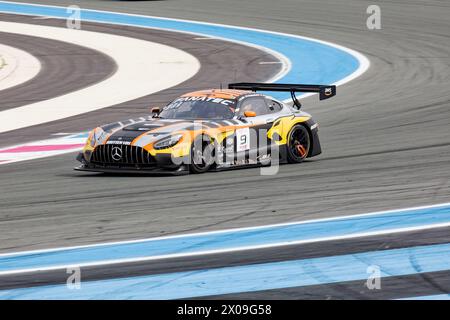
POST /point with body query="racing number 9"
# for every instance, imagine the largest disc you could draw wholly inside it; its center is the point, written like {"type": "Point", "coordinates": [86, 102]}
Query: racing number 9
{"type": "Point", "coordinates": [243, 139]}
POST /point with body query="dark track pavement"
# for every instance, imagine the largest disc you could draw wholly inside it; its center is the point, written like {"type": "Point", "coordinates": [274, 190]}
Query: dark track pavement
{"type": "Point", "coordinates": [386, 139]}
{"type": "Point", "coordinates": [385, 136]}
{"type": "Point", "coordinates": [64, 68]}
{"type": "Point", "coordinates": [74, 67]}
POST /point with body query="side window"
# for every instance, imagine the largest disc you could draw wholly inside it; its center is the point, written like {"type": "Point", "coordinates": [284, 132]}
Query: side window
{"type": "Point", "coordinates": [274, 106]}
{"type": "Point", "coordinates": [256, 104]}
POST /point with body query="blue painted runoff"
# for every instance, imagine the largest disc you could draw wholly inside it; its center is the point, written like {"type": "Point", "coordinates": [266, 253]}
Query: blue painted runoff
{"type": "Point", "coordinates": [432, 297]}
{"type": "Point", "coordinates": [234, 239]}
{"type": "Point", "coordinates": [250, 278]}
{"type": "Point", "coordinates": [312, 62]}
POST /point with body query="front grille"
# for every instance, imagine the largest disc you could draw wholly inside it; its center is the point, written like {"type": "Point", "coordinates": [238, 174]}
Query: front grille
{"type": "Point", "coordinates": [116, 155]}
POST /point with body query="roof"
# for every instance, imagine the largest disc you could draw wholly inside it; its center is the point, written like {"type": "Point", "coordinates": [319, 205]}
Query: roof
{"type": "Point", "coordinates": [218, 93]}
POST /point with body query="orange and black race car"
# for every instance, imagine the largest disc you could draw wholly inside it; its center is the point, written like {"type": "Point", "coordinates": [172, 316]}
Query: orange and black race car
{"type": "Point", "coordinates": [209, 130]}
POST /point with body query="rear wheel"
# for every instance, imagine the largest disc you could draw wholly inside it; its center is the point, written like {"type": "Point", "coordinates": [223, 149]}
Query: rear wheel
{"type": "Point", "coordinates": [202, 154]}
{"type": "Point", "coordinates": [298, 144]}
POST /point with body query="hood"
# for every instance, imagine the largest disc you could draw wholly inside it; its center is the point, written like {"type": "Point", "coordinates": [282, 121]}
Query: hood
{"type": "Point", "coordinates": [152, 129]}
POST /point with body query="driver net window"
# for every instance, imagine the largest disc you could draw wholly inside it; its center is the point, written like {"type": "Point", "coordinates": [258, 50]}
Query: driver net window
{"type": "Point", "coordinates": [256, 104]}
{"type": "Point", "coordinates": [274, 106]}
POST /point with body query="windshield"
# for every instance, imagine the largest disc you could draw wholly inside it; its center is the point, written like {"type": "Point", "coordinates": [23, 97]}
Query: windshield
{"type": "Point", "coordinates": [199, 108]}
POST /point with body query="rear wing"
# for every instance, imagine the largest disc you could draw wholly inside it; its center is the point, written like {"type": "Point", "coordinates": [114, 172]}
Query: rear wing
{"type": "Point", "coordinates": [325, 91]}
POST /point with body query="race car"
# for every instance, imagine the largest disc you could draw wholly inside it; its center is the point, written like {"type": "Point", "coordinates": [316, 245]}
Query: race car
{"type": "Point", "coordinates": [213, 129]}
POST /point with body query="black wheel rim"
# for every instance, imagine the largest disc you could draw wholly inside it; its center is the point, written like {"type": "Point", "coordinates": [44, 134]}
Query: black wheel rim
{"type": "Point", "coordinates": [299, 142]}
{"type": "Point", "coordinates": [201, 157]}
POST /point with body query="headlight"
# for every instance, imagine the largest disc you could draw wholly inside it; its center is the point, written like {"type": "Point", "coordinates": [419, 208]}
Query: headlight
{"type": "Point", "coordinates": [167, 142]}
{"type": "Point", "coordinates": [93, 139]}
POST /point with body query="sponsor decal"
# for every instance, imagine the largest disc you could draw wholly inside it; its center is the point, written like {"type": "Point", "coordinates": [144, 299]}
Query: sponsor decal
{"type": "Point", "coordinates": [225, 102]}
{"type": "Point", "coordinates": [142, 129]}
{"type": "Point", "coordinates": [250, 96]}
{"type": "Point", "coordinates": [127, 143]}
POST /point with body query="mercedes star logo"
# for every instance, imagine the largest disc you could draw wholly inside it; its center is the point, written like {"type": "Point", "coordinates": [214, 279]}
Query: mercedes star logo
{"type": "Point", "coordinates": [116, 153]}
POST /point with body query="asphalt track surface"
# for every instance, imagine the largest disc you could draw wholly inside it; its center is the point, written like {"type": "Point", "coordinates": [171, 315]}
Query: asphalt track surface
{"type": "Point", "coordinates": [59, 80]}
{"type": "Point", "coordinates": [386, 139]}
{"type": "Point", "coordinates": [76, 66]}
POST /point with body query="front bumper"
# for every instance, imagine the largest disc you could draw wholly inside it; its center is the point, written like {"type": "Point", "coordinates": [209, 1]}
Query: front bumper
{"type": "Point", "coordinates": [163, 165]}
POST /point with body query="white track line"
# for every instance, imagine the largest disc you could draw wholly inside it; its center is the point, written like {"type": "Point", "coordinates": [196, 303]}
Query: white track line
{"type": "Point", "coordinates": [16, 66]}
{"type": "Point", "coordinates": [73, 143]}
{"type": "Point", "coordinates": [217, 232]}
{"type": "Point", "coordinates": [364, 62]}
{"type": "Point", "coordinates": [227, 250]}
{"type": "Point", "coordinates": [143, 68]}
{"type": "Point", "coordinates": [285, 62]}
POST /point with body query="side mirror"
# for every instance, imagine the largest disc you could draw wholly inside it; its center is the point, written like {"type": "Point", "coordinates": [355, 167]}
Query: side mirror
{"type": "Point", "coordinates": [155, 111]}
{"type": "Point", "coordinates": [249, 114]}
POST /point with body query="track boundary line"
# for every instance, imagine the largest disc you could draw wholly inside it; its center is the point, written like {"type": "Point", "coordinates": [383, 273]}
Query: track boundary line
{"type": "Point", "coordinates": [218, 251]}
{"type": "Point", "coordinates": [195, 234]}
{"type": "Point", "coordinates": [224, 250]}
{"type": "Point", "coordinates": [364, 62]}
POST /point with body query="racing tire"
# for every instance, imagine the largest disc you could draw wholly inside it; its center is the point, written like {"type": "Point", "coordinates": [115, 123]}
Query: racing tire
{"type": "Point", "coordinates": [202, 155]}
{"type": "Point", "coordinates": [298, 144]}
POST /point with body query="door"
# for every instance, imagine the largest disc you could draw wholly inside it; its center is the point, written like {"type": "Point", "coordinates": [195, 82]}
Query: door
{"type": "Point", "coordinates": [252, 144]}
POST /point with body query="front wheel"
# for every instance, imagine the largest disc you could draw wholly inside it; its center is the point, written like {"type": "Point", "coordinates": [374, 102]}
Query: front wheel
{"type": "Point", "coordinates": [298, 144]}
{"type": "Point", "coordinates": [202, 154]}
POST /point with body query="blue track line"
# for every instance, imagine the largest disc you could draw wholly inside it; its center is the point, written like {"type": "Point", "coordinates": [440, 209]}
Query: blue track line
{"type": "Point", "coordinates": [250, 278]}
{"type": "Point", "coordinates": [432, 297]}
{"type": "Point", "coordinates": [312, 62]}
{"type": "Point", "coordinates": [235, 239]}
